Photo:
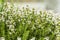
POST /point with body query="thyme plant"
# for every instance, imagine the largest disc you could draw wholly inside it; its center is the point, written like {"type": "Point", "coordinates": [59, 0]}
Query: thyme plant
{"type": "Point", "coordinates": [26, 23]}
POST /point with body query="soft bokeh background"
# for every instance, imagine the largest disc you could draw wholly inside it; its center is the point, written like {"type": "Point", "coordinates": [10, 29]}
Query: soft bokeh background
{"type": "Point", "coordinates": [39, 4]}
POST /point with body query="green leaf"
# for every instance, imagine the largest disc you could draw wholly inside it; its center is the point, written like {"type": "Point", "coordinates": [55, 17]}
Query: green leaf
{"type": "Point", "coordinates": [25, 35]}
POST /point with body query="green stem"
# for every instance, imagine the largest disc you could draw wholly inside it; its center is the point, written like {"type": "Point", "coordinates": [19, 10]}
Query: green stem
{"type": "Point", "coordinates": [1, 2]}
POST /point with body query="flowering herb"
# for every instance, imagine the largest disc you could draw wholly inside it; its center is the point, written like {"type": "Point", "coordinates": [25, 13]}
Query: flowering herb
{"type": "Point", "coordinates": [26, 23]}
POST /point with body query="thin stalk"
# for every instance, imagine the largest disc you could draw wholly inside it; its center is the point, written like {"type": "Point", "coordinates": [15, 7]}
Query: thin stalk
{"type": "Point", "coordinates": [2, 3]}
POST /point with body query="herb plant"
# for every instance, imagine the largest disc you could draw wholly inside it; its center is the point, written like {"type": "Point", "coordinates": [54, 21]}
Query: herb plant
{"type": "Point", "coordinates": [26, 23]}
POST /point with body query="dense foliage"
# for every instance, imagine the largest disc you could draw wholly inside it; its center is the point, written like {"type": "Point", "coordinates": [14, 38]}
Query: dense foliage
{"type": "Point", "coordinates": [26, 23]}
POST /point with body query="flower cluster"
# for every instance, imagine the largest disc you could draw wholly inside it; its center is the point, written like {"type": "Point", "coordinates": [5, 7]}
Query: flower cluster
{"type": "Point", "coordinates": [26, 23]}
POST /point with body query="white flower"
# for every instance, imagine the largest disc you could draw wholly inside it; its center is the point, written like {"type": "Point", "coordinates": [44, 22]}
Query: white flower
{"type": "Point", "coordinates": [10, 17]}
{"type": "Point", "coordinates": [12, 30]}
{"type": "Point", "coordinates": [29, 22]}
{"type": "Point", "coordinates": [14, 23]}
{"type": "Point", "coordinates": [7, 21]}
{"type": "Point", "coordinates": [33, 27]}
{"type": "Point", "coordinates": [23, 23]}
{"type": "Point", "coordinates": [2, 18]}
{"type": "Point", "coordinates": [11, 26]}
{"type": "Point", "coordinates": [33, 38]}
{"type": "Point", "coordinates": [49, 29]}
{"type": "Point", "coordinates": [46, 38]}
{"type": "Point", "coordinates": [19, 20]}
{"type": "Point", "coordinates": [24, 19]}
{"type": "Point", "coordinates": [18, 38]}
{"type": "Point", "coordinates": [10, 33]}
{"type": "Point", "coordinates": [56, 31]}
